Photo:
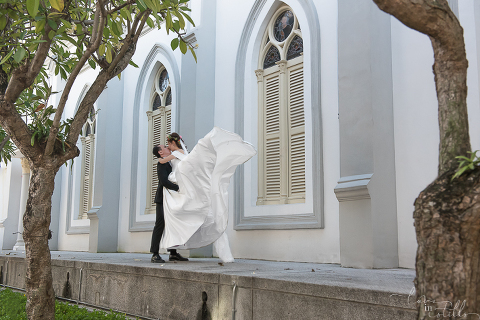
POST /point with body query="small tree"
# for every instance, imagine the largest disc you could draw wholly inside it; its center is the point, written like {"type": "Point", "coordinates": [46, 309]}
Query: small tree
{"type": "Point", "coordinates": [447, 212]}
{"type": "Point", "coordinates": [69, 34]}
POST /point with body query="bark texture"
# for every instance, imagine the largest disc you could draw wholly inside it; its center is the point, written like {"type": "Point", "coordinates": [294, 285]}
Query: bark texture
{"type": "Point", "coordinates": [36, 223]}
{"type": "Point", "coordinates": [447, 223]}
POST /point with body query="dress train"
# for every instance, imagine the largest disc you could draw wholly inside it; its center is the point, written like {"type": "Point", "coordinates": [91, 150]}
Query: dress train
{"type": "Point", "coordinates": [197, 215]}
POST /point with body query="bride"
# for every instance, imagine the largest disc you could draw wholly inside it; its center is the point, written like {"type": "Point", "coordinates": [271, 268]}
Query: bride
{"type": "Point", "coordinates": [197, 215]}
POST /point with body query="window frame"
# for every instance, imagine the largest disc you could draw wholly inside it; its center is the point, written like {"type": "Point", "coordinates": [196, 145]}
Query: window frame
{"type": "Point", "coordinates": [163, 114]}
{"type": "Point", "coordinates": [275, 173]}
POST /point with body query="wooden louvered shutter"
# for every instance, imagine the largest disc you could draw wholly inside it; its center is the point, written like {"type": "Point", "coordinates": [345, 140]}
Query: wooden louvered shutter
{"type": "Point", "coordinates": [156, 139]}
{"type": "Point", "coordinates": [272, 137]}
{"type": "Point", "coordinates": [168, 122]}
{"type": "Point", "coordinates": [296, 183]}
{"type": "Point", "coordinates": [87, 173]}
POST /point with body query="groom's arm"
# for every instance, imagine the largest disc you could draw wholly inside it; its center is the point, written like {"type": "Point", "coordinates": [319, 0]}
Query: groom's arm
{"type": "Point", "coordinates": [163, 177]}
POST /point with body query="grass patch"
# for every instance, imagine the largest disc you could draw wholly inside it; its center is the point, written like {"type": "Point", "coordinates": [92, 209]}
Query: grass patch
{"type": "Point", "coordinates": [12, 307]}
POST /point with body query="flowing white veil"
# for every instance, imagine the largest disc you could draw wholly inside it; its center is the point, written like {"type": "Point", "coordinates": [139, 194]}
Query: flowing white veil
{"type": "Point", "coordinates": [183, 146]}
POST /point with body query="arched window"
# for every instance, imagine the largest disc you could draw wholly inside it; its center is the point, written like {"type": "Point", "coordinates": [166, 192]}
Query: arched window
{"type": "Point", "coordinates": [159, 126]}
{"type": "Point", "coordinates": [88, 151]}
{"type": "Point", "coordinates": [281, 127]}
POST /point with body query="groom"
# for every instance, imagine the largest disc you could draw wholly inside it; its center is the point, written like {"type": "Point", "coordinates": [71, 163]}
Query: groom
{"type": "Point", "coordinates": [163, 170]}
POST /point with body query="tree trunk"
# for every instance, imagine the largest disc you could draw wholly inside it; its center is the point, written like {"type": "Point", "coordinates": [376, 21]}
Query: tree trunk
{"type": "Point", "coordinates": [36, 223]}
{"type": "Point", "coordinates": [451, 85]}
{"type": "Point", "coordinates": [447, 213]}
{"type": "Point", "coordinates": [447, 223]}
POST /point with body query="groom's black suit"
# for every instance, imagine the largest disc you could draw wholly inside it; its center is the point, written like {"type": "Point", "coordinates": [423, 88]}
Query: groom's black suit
{"type": "Point", "coordinates": [163, 170]}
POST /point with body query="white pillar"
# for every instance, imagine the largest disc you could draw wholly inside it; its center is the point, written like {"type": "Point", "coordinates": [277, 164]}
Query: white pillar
{"type": "Point", "coordinates": [20, 245]}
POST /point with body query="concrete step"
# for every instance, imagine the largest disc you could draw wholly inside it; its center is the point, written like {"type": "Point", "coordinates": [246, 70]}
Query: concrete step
{"type": "Point", "coordinates": [205, 289]}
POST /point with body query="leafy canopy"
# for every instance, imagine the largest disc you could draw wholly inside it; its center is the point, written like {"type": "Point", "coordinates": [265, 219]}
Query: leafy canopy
{"type": "Point", "coordinates": [70, 29]}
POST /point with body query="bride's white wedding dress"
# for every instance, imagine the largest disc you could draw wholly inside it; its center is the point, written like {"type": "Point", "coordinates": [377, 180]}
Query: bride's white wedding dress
{"type": "Point", "coordinates": [197, 215]}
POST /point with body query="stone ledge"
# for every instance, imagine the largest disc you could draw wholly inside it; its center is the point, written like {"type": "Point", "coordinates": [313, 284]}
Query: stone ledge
{"type": "Point", "coordinates": [265, 290]}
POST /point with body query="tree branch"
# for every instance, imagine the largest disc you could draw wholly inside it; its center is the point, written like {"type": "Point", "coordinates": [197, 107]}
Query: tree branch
{"type": "Point", "coordinates": [119, 64]}
{"type": "Point", "coordinates": [24, 76]}
{"type": "Point", "coordinates": [435, 19]}
{"type": "Point", "coordinates": [68, 86]}
{"type": "Point", "coordinates": [18, 131]}
{"type": "Point", "coordinates": [121, 6]}
{"type": "Point", "coordinates": [431, 17]}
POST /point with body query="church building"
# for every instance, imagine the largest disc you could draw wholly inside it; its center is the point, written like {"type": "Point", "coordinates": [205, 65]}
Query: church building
{"type": "Point", "coordinates": [337, 97]}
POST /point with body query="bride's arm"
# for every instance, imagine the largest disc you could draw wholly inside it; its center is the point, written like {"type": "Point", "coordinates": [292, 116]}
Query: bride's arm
{"type": "Point", "coordinates": [166, 159]}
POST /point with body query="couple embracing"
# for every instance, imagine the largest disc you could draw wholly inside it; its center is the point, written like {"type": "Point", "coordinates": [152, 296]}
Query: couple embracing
{"type": "Point", "coordinates": [192, 194]}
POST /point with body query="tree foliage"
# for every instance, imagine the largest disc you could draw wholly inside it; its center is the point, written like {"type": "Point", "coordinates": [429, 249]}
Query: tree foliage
{"type": "Point", "coordinates": [38, 37]}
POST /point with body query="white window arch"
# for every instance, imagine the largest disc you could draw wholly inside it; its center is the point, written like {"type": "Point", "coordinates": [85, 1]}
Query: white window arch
{"type": "Point", "coordinates": [159, 126]}
{"type": "Point", "coordinates": [281, 115]}
{"type": "Point", "coordinates": [88, 152]}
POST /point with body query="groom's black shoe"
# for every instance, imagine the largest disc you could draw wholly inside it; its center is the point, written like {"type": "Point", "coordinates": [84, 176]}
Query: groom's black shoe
{"type": "Point", "coordinates": [176, 257]}
{"type": "Point", "coordinates": [157, 259]}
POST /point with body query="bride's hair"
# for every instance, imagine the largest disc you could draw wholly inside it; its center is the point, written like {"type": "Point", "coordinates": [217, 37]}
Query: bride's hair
{"type": "Point", "coordinates": [175, 137]}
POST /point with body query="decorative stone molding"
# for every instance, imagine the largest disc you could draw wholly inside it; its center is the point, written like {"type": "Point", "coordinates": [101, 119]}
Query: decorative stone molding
{"type": "Point", "coordinates": [282, 64]}
{"type": "Point", "coordinates": [353, 188]}
{"type": "Point", "coordinates": [93, 232]}
{"type": "Point", "coordinates": [259, 74]}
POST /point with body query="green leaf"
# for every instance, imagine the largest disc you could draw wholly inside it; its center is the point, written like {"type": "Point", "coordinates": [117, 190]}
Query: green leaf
{"type": "Point", "coordinates": [19, 55]}
{"type": "Point", "coordinates": [12, 14]}
{"type": "Point", "coordinates": [193, 53]}
{"type": "Point", "coordinates": [120, 27]}
{"type": "Point", "coordinates": [115, 29]}
{"type": "Point", "coordinates": [101, 49]}
{"type": "Point", "coordinates": [141, 5]}
{"type": "Point", "coordinates": [109, 55]}
{"type": "Point", "coordinates": [55, 14]}
{"type": "Point", "coordinates": [133, 64]}
{"type": "Point", "coordinates": [124, 14]}
{"type": "Point", "coordinates": [174, 43]}
{"type": "Point", "coordinates": [61, 29]}
{"type": "Point", "coordinates": [176, 25]}
{"type": "Point", "coordinates": [57, 4]}
{"type": "Point", "coordinates": [183, 46]}
{"type": "Point", "coordinates": [188, 18]}
{"type": "Point", "coordinates": [52, 24]}
{"type": "Point", "coordinates": [32, 7]}
{"type": "Point", "coordinates": [181, 20]}
{"type": "Point", "coordinates": [70, 39]}
{"type": "Point", "coordinates": [63, 74]}
{"type": "Point", "coordinates": [119, 76]}
{"type": "Point", "coordinates": [3, 21]}
{"type": "Point", "coordinates": [6, 57]}
{"type": "Point", "coordinates": [106, 33]}
{"type": "Point", "coordinates": [32, 141]}
{"type": "Point", "coordinates": [92, 63]}
{"type": "Point", "coordinates": [150, 22]}
{"type": "Point", "coordinates": [51, 34]}
{"type": "Point", "coordinates": [169, 21]}
{"type": "Point", "coordinates": [150, 5]}
{"type": "Point", "coordinates": [39, 26]}
{"type": "Point", "coordinates": [66, 23]}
